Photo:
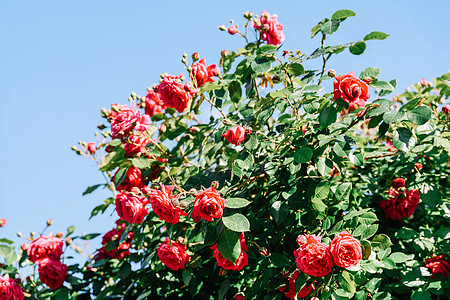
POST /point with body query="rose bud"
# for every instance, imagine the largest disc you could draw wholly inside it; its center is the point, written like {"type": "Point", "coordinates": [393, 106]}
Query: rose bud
{"type": "Point", "coordinates": [418, 166]}
{"type": "Point", "coordinates": [367, 80]}
{"type": "Point", "coordinates": [25, 246]}
{"type": "Point", "coordinates": [49, 222]}
{"type": "Point", "coordinates": [2, 222]}
{"type": "Point", "coordinates": [68, 241]}
{"type": "Point", "coordinates": [59, 234]}
{"type": "Point", "coordinates": [162, 127]}
{"type": "Point", "coordinates": [109, 148]}
{"type": "Point", "coordinates": [101, 126]}
{"type": "Point", "coordinates": [223, 28]}
{"type": "Point", "coordinates": [232, 29]}
{"type": "Point", "coordinates": [224, 53]}
{"type": "Point", "coordinates": [195, 56]}
{"type": "Point", "coordinates": [194, 129]}
{"type": "Point", "coordinates": [332, 73]}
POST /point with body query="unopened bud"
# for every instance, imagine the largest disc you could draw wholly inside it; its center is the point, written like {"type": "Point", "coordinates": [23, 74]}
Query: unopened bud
{"type": "Point", "coordinates": [79, 250]}
{"type": "Point", "coordinates": [19, 234]}
{"type": "Point", "coordinates": [263, 251]}
{"type": "Point", "coordinates": [68, 241]}
{"type": "Point", "coordinates": [224, 53]}
{"type": "Point", "coordinates": [184, 55]}
{"type": "Point", "coordinates": [194, 129]}
{"type": "Point", "coordinates": [2, 222]}
{"type": "Point", "coordinates": [332, 73]}
{"type": "Point", "coordinates": [101, 126]}
{"type": "Point", "coordinates": [223, 28]}
{"type": "Point", "coordinates": [109, 148]}
{"type": "Point", "coordinates": [162, 127]}
{"type": "Point", "coordinates": [367, 79]}
{"type": "Point", "coordinates": [232, 29]}
{"type": "Point", "coordinates": [25, 247]}
{"type": "Point", "coordinates": [192, 192]}
{"type": "Point", "coordinates": [133, 94]}
{"type": "Point", "coordinates": [105, 112]}
{"type": "Point", "coordinates": [195, 56]}
{"type": "Point", "coordinates": [248, 131]}
{"type": "Point", "coordinates": [227, 122]}
{"type": "Point", "coordinates": [49, 222]}
{"type": "Point", "coordinates": [59, 234]}
{"type": "Point", "coordinates": [30, 278]}
{"type": "Point", "coordinates": [215, 184]}
{"type": "Point", "coordinates": [184, 61]}
{"type": "Point", "coordinates": [32, 233]}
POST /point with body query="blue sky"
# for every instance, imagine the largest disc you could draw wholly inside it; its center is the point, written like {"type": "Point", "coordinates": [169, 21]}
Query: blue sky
{"type": "Point", "coordinates": [61, 62]}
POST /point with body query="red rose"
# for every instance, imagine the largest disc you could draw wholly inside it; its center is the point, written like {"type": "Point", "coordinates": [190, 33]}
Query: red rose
{"type": "Point", "coordinates": [400, 204]}
{"type": "Point", "coordinates": [174, 93]}
{"type": "Point", "coordinates": [91, 147]}
{"type": "Point", "coordinates": [203, 73]}
{"type": "Point", "coordinates": [398, 182]}
{"type": "Point", "coordinates": [173, 254]}
{"type": "Point", "coordinates": [153, 104]}
{"type": "Point", "coordinates": [446, 109]}
{"type": "Point", "coordinates": [419, 166]}
{"type": "Point", "coordinates": [438, 265]}
{"type": "Point", "coordinates": [127, 119]}
{"type": "Point", "coordinates": [131, 208]}
{"type": "Point", "coordinates": [135, 144]}
{"type": "Point", "coordinates": [10, 290]}
{"type": "Point", "coordinates": [208, 205]}
{"type": "Point", "coordinates": [45, 247]}
{"type": "Point", "coordinates": [239, 296]}
{"type": "Point", "coordinates": [346, 250]}
{"type": "Point", "coordinates": [52, 272]}
{"type": "Point", "coordinates": [314, 258]}
{"type": "Point", "coordinates": [115, 234]}
{"type": "Point", "coordinates": [352, 90]}
{"type": "Point", "coordinates": [133, 179]}
{"type": "Point", "coordinates": [2, 222]}
{"type": "Point", "coordinates": [269, 28]}
{"type": "Point", "coordinates": [289, 289]}
{"type": "Point", "coordinates": [239, 264]}
{"type": "Point", "coordinates": [162, 204]}
{"type": "Point", "coordinates": [235, 135]}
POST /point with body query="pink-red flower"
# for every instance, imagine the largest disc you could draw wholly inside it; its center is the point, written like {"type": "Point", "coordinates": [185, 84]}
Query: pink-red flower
{"type": "Point", "coordinates": [45, 247]}
{"type": "Point", "coordinates": [203, 73]}
{"type": "Point", "coordinates": [401, 204]}
{"type": "Point", "coordinates": [438, 265]}
{"type": "Point", "coordinates": [398, 183]}
{"type": "Point", "coordinates": [126, 120]}
{"type": "Point", "coordinates": [174, 93]}
{"type": "Point", "coordinates": [135, 144]}
{"type": "Point", "coordinates": [346, 250]}
{"type": "Point", "coordinates": [352, 90]}
{"type": "Point", "coordinates": [269, 28]}
{"type": "Point", "coordinates": [446, 109]}
{"type": "Point", "coordinates": [130, 207]}
{"type": "Point", "coordinates": [91, 147]}
{"type": "Point", "coordinates": [314, 257]}
{"type": "Point", "coordinates": [235, 135]}
{"type": "Point", "coordinates": [133, 179]}
{"type": "Point", "coordinates": [419, 166]}
{"type": "Point", "coordinates": [289, 289]}
{"type": "Point", "coordinates": [173, 254]}
{"type": "Point", "coordinates": [153, 104]}
{"type": "Point", "coordinates": [10, 290]}
{"type": "Point", "coordinates": [52, 272]}
{"type": "Point", "coordinates": [208, 205]}
{"type": "Point", "coordinates": [232, 29]}
{"type": "Point", "coordinates": [239, 264]}
{"type": "Point", "coordinates": [2, 222]}
{"type": "Point", "coordinates": [163, 204]}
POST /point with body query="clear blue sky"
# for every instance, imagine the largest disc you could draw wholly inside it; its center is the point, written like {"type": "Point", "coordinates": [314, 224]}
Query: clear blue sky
{"type": "Point", "coordinates": [62, 61]}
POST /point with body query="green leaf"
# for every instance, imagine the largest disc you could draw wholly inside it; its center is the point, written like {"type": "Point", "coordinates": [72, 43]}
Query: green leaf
{"type": "Point", "coordinates": [61, 294]}
{"type": "Point", "coordinates": [322, 190]}
{"type": "Point", "coordinates": [111, 161]}
{"type": "Point", "coordinates": [141, 162]}
{"type": "Point", "coordinates": [229, 245]}
{"type": "Point", "coordinates": [347, 281]}
{"type": "Point", "coordinates": [261, 65]}
{"type": "Point", "coordinates": [90, 236]}
{"type": "Point", "coordinates": [6, 241]}
{"type": "Point", "coordinates": [381, 242]}
{"type": "Point", "coordinates": [236, 222]}
{"type": "Point", "coordinates": [366, 249]}
{"type": "Point", "coordinates": [318, 204]}
{"type": "Point", "coordinates": [120, 176]}
{"type": "Point", "coordinates": [279, 260]}
{"type": "Point", "coordinates": [6, 250]}
{"type": "Point", "coordinates": [356, 158]}
{"type": "Point", "coordinates": [303, 155]}
{"type": "Point", "coordinates": [357, 48]}
{"type": "Point", "coordinates": [70, 230]}
{"type": "Point", "coordinates": [316, 29]}
{"type": "Point", "coordinates": [252, 142]}
{"type": "Point", "coordinates": [420, 294]}
{"type": "Point", "coordinates": [382, 85]}
{"type": "Point", "coordinates": [324, 166]}
{"type": "Point", "coordinates": [90, 189]}
{"type": "Point", "coordinates": [376, 35]}
{"type": "Point", "coordinates": [279, 211]}
{"type": "Point", "coordinates": [393, 116]}
{"type": "Point", "coordinates": [343, 191]}
{"type": "Point", "coordinates": [330, 27]}
{"type": "Point", "coordinates": [370, 72]}
{"type": "Point", "coordinates": [399, 257]}
{"type": "Point", "coordinates": [296, 69]}
{"type": "Point", "coordinates": [328, 116]}
{"type": "Point", "coordinates": [235, 90]}
{"type": "Point", "coordinates": [403, 139]}
{"type": "Point", "coordinates": [420, 115]}
{"type": "Point", "coordinates": [367, 218]}
{"type": "Point", "coordinates": [236, 202]}
{"type": "Point", "coordinates": [342, 14]}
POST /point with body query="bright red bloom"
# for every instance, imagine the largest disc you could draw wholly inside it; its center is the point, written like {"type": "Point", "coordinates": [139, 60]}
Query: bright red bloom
{"type": "Point", "coordinates": [352, 90]}
{"type": "Point", "coordinates": [174, 93]}
{"type": "Point", "coordinates": [2, 222]}
{"type": "Point", "coordinates": [314, 258]}
{"type": "Point", "coordinates": [115, 234]}
{"type": "Point", "coordinates": [163, 205]}
{"type": "Point", "coordinates": [10, 290]}
{"type": "Point", "coordinates": [269, 28]}
{"type": "Point", "coordinates": [398, 182]}
{"type": "Point", "coordinates": [127, 120]}
{"type": "Point", "coordinates": [91, 147]}
{"type": "Point", "coordinates": [52, 272]}
{"type": "Point", "coordinates": [235, 135]}
{"type": "Point", "coordinates": [446, 109]}
{"type": "Point", "coordinates": [239, 264]}
{"type": "Point", "coordinates": [400, 204]}
{"type": "Point", "coordinates": [438, 265]}
{"type": "Point", "coordinates": [135, 144]}
{"type": "Point", "coordinates": [346, 250]}
{"type": "Point", "coordinates": [419, 166]}
{"type": "Point", "coordinates": [133, 179]}
{"type": "Point", "coordinates": [153, 104]}
{"type": "Point", "coordinates": [173, 254]}
{"type": "Point", "coordinates": [289, 289]}
{"type": "Point", "coordinates": [45, 247]}
{"type": "Point", "coordinates": [131, 208]}
{"type": "Point", "coordinates": [203, 73]}
{"type": "Point", "coordinates": [208, 205]}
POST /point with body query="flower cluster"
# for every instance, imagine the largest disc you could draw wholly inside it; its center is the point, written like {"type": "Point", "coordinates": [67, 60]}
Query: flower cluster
{"type": "Point", "coordinates": [401, 203]}
{"type": "Point", "coordinates": [122, 250]}
{"type": "Point", "coordinates": [317, 259]}
{"type": "Point", "coordinates": [269, 28]}
{"type": "Point", "coordinates": [46, 251]}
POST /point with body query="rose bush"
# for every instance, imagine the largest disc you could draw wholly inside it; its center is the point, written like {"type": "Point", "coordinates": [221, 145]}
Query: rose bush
{"type": "Point", "coordinates": [311, 183]}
